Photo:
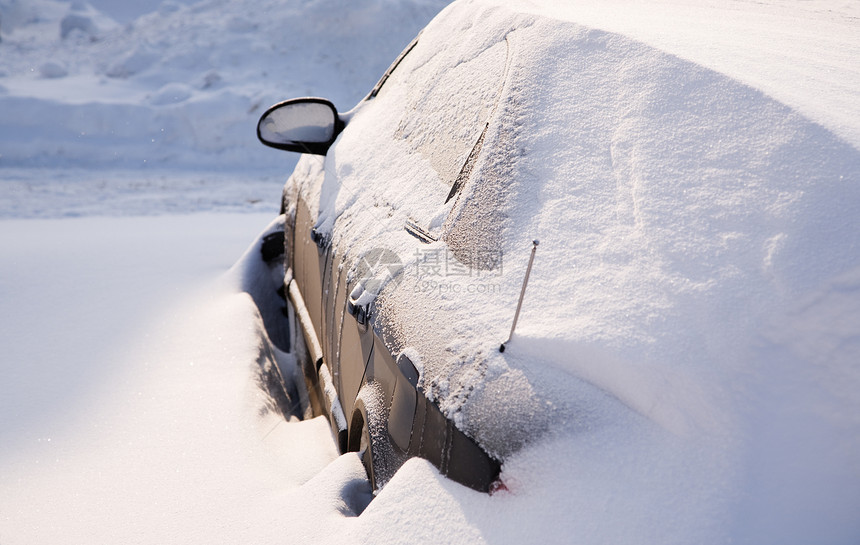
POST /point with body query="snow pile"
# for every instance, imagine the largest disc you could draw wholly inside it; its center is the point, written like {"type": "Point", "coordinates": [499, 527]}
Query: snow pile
{"type": "Point", "coordinates": [147, 423]}
{"type": "Point", "coordinates": [803, 55]}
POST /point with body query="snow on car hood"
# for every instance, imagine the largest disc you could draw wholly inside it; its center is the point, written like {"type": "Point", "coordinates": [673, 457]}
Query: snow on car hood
{"type": "Point", "coordinates": [686, 219]}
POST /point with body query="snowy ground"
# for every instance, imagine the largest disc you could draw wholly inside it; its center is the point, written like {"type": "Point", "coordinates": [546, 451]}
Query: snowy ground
{"type": "Point", "coordinates": [131, 183]}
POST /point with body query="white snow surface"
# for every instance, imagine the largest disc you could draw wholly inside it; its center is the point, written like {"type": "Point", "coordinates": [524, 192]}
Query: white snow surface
{"type": "Point", "coordinates": [701, 375]}
{"type": "Point", "coordinates": [803, 54]}
{"type": "Point", "coordinates": [183, 86]}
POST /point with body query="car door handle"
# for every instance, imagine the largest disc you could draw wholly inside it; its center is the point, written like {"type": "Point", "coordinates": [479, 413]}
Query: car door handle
{"type": "Point", "coordinates": [319, 238]}
{"type": "Point", "coordinates": [358, 305]}
{"type": "Point", "coordinates": [359, 312]}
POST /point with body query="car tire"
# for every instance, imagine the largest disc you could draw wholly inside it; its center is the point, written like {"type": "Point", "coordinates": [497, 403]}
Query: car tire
{"type": "Point", "coordinates": [366, 453]}
{"type": "Point", "coordinates": [361, 441]}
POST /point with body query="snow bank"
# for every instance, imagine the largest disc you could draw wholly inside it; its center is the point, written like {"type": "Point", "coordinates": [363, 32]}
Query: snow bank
{"type": "Point", "coordinates": [130, 403]}
{"type": "Point", "coordinates": [182, 86]}
{"type": "Point", "coordinates": [77, 192]}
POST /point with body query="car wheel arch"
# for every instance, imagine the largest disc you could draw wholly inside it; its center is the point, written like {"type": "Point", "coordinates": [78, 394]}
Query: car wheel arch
{"type": "Point", "coordinates": [370, 417]}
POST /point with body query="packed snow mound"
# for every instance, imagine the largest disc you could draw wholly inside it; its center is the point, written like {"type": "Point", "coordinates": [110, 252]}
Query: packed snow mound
{"type": "Point", "coordinates": [801, 53]}
{"type": "Point", "coordinates": [182, 86]}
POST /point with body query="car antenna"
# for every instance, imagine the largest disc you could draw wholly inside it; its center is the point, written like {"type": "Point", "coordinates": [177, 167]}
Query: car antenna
{"type": "Point", "coordinates": [522, 293]}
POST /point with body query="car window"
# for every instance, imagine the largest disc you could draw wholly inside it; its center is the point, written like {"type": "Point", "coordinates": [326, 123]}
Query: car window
{"type": "Point", "coordinates": [392, 68]}
{"type": "Point", "coordinates": [448, 108]}
{"type": "Point", "coordinates": [423, 130]}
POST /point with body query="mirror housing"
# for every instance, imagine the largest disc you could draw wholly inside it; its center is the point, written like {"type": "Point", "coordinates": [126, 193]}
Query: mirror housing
{"type": "Point", "coordinates": [304, 125]}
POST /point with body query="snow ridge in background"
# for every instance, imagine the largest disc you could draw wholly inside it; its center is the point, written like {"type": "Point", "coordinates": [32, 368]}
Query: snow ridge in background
{"type": "Point", "coordinates": [182, 87]}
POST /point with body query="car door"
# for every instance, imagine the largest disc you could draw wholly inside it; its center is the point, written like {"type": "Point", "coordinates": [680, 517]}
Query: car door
{"type": "Point", "coordinates": [310, 258]}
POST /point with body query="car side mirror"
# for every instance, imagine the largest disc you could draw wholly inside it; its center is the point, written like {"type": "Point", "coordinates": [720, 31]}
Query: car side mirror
{"type": "Point", "coordinates": [305, 125]}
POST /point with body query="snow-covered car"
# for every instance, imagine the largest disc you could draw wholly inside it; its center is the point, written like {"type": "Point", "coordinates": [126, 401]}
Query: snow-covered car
{"type": "Point", "coordinates": [667, 196]}
{"type": "Point", "coordinates": [364, 369]}
{"type": "Point", "coordinates": [359, 369]}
